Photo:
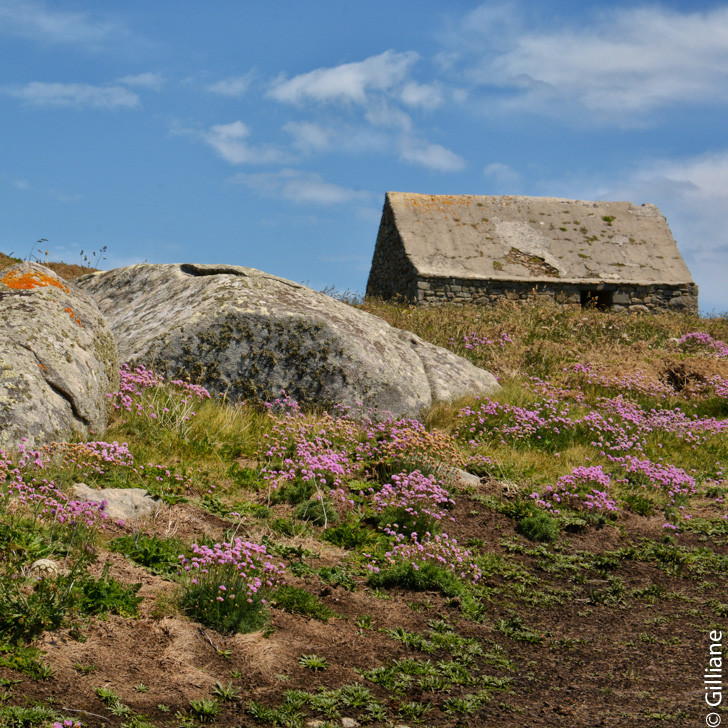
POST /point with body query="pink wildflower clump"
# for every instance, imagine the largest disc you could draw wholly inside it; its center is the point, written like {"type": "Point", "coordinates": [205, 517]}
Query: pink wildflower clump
{"type": "Point", "coordinates": [233, 570]}
{"type": "Point", "coordinates": [284, 405]}
{"type": "Point", "coordinates": [698, 341]}
{"type": "Point", "coordinates": [720, 386]}
{"type": "Point", "coordinates": [636, 381]}
{"type": "Point", "coordinates": [7, 469]}
{"type": "Point", "coordinates": [585, 488]}
{"type": "Point", "coordinates": [440, 549]}
{"type": "Point", "coordinates": [416, 494]}
{"type": "Point", "coordinates": [668, 478]}
{"type": "Point", "coordinates": [145, 393]}
{"type": "Point", "coordinates": [41, 501]}
{"type": "Point", "coordinates": [316, 452]}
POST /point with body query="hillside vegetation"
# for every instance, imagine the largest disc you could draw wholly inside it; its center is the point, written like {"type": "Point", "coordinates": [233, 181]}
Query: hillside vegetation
{"type": "Point", "coordinates": [307, 567]}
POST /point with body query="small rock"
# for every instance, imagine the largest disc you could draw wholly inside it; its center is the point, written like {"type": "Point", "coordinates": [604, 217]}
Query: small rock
{"type": "Point", "coordinates": [44, 567]}
{"type": "Point", "coordinates": [126, 504]}
{"type": "Point", "coordinates": [349, 723]}
{"type": "Point", "coordinates": [464, 478]}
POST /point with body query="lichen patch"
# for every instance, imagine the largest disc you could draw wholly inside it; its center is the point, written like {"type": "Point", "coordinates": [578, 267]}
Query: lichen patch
{"type": "Point", "coordinates": [28, 280]}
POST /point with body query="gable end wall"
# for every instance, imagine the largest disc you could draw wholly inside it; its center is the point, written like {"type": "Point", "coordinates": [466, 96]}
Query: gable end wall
{"type": "Point", "coordinates": [392, 273]}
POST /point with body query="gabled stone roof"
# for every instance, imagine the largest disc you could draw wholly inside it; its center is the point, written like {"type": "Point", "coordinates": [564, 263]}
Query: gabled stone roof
{"type": "Point", "coordinates": [536, 238]}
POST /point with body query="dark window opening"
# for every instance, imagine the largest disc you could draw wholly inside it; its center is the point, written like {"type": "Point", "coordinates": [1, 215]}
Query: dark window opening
{"type": "Point", "coordinates": [603, 300]}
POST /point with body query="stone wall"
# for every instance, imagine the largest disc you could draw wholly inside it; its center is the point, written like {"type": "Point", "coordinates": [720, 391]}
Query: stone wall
{"type": "Point", "coordinates": [652, 297]}
{"type": "Point", "coordinates": [392, 273]}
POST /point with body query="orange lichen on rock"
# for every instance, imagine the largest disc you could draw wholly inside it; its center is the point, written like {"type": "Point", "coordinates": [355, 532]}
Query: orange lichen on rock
{"type": "Point", "coordinates": [29, 280]}
{"type": "Point", "coordinates": [447, 205]}
{"type": "Point", "coordinates": [69, 311]}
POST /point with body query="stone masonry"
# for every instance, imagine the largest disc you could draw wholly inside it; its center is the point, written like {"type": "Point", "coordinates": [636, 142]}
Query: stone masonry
{"type": "Point", "coordinates": [615, 255]}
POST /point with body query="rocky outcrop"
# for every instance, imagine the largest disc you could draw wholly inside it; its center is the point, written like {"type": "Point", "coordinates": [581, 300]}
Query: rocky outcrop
{"type": "Point", "coordinates": [251, 335]}
{"type": "Point", "coordinates": [57, 359]}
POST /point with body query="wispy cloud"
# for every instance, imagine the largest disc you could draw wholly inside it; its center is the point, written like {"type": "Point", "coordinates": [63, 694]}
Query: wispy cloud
{"type": "Point", "coordinates": [151, 81]}
{"type": "Point", "coordinates": [300, 187]}
{"type": "Point", "coordinates": [230, 143]}
{"type": "Point", "coordinates": [77, 95]}
{"type": "Point", "coordinates": [381, 112]}
{"type": "Point", "coordinates": [422, 95]}
{"type": "Point", "coordinates": [502, 175]}
{"type": "Point", "coordinates": [41, 22]}
{"type": "Point", "coordinates": [53, 193]}
{"type": "Point", "coordinates": [431, 156]}
{"type": "Point", "coordinates": [349, 82]}
{"type": "Point", "coordinates": [336, 136]}
{"type": "Point", "coordinates": [309, 137]}
{"type": "Point", "coordinates": [234, 87]}
{"type": "Point", "coordinates": [618, 66]}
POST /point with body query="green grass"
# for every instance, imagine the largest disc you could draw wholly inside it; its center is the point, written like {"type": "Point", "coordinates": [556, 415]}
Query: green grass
{"type": "Point", "coordinates": [298, 601]}
{"type": "Point", "coordinates": [159, 555]}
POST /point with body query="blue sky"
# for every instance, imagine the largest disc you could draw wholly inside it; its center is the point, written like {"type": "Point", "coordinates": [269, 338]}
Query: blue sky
{"type": "Point", "coordinates": [265, 134]}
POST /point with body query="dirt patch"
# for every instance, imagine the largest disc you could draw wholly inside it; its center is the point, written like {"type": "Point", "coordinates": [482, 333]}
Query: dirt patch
{"type": "Point", "coordinates": [598, 656]}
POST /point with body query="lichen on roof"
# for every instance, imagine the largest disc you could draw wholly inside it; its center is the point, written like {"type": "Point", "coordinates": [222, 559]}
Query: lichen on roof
{"type": "Point", "coordinates": [513, 237]}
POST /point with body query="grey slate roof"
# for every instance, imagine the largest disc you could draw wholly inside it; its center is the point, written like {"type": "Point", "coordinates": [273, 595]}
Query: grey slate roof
{"type": "Point", "coordinates": [536, 238]}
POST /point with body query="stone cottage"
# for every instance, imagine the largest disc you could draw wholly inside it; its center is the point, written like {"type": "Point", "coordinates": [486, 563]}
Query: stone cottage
{"type": "Point", "coordinates": [615, 255]}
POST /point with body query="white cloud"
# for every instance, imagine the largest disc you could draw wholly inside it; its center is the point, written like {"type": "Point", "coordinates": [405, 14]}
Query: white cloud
{"type": "Point", "coordinates": [300, 187]}
{"type": "Point", "coordinates": [623, 64]}
{"type": "Point", "coordinates": [382, 113]}
{"type": "Point", "coordinates": [152, 81]}
{"type": "Point", "coordinates": [502, 174]}
{"type": "Point", "coordinates": [234, 87]}
{"type": "Point", "coordinates": [349, 82]}
{"type": "Point", "coordinates": [229, 141]}
{"type": "Point", "coordinates": [76, 95]}
{"type": "Point", "coordinates": [309, 137]}
{"type": "Point", "coordinates": [425, 96]}
{"type": "Point", "coordinates": [432, 156]}
{"type": "Point", "coordinates": [38, 21]}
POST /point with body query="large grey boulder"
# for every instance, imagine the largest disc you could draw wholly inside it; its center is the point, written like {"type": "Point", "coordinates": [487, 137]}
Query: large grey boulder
{"type": "Point", "coordinates": [251, 335]}
{"type": "Point", "coordinates": [57, 359]}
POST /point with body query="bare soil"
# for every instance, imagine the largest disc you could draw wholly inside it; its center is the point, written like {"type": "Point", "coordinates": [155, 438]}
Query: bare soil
{"type": "Point", "coordinates": [634, 662]}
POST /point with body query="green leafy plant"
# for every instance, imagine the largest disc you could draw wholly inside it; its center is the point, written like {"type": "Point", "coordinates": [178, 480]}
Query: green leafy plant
{"type": "Point", "coordinates": [319, 511]}
{"type": "Point", "coordinates": [226, 692]}
{"type": "Point", "coordinates": [428, 576]}
{"type": "Point", "coordinates": [159, 555]}
{"type": "Point", "coordinates": [112, 701]}
{"type": "Point", "coordinates": [515, 628]}
{"type": "Point", "coordinates": [108, 596]}
{"type": "Point", "coordinates": [205, 709]}
{"type": "Point", "coordinates": [298, 601]}
{"type": "Point", "coordinates": [538, 527]}
{"type": "Point", "coordinates": [350, 534]}
{"type": "Point", "coordinates": [313, 662]}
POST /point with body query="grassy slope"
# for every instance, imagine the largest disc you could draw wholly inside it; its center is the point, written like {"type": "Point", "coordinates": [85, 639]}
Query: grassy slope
{"type": "Point", "coordinates": [589, 618]}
